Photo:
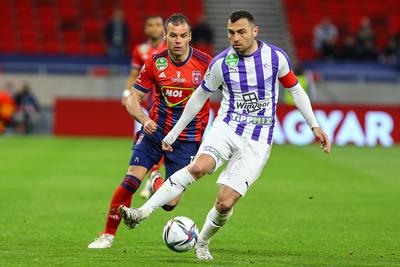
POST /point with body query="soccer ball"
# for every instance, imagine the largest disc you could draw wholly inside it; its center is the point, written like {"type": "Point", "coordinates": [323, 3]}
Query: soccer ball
{"type": "Point", "coordinates": [180, 234]}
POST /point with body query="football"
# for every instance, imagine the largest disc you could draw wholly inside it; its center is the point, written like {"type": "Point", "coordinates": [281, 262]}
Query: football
{"type": "Point", "coordinates": [180, 234]}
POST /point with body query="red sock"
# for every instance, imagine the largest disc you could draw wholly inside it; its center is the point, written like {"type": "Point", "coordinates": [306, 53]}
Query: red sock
{"type": "Point", "coordinates": [158, 183]}
{"type": "Point", "coordinates": [122, 196]}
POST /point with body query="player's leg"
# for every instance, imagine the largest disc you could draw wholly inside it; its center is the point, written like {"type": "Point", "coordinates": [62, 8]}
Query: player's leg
{"type": "Point", "coordinates": [180, 157]}
{"type": "Point", "coordinates": [214, 149]}
{"type": "Point", "coordinates": [216, 218]}
{"type": "Point", "coordinates": [154, 182]}
{"type": "Point", "coordinates": [145, 154]}
{"type": "Point", "coordinates": [242, 171]}
{"type": "Point", "coordinates": [170, 190]}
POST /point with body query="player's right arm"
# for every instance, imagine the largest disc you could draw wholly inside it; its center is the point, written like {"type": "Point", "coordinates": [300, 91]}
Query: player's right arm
{"type": "Point", "coordinates": [144, 83]}
{"type": "Point", "coordinates": [136, 66]}
{"type": "Point", "coordinates": [211, 82]}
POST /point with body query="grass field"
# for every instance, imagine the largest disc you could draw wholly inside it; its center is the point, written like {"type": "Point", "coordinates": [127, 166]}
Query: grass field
{"type": "Point", "coordinates": [307, 209]}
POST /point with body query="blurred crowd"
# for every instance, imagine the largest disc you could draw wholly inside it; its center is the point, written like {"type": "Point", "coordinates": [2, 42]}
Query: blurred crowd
{"type": "Point", "coordinates": [116, 33]}
{"type": "Point", "coordinates": [19, 109]}
{"type": "Point", "coordinates": [360, 46]}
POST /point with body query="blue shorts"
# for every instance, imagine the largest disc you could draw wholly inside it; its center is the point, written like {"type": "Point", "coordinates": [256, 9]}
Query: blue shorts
{"type": "Point", "coordinates": [147, 152]}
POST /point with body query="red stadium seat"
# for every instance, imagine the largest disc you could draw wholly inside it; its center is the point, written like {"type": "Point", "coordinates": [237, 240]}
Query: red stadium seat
{"type": "Point", "coordinates": [51, 47]}
{"type": "Point", "coordinates": [72, 48]}
{"type": "Point", "coordinates": [95, 49]}
{"type": "Point", "coordinates": [30, 47]}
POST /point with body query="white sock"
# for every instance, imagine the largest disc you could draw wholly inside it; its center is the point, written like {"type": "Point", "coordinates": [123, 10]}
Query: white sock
{"type": "Point", "coordinates": [170, 189]}
{"type": "Point", "coordinates": [213, 223]}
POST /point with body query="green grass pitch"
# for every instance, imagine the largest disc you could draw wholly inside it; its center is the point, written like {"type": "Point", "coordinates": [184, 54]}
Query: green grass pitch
{"type": "Point", "coordinates": [306, 209]}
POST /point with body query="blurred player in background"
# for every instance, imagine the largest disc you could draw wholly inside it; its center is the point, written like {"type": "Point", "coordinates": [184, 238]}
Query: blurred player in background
{"type": "Point", "coordinates": [175, 73]}
{"type": "Point", "coordinates": [248, 72]}
{"type": "Point", "coordinates": [153, 28]}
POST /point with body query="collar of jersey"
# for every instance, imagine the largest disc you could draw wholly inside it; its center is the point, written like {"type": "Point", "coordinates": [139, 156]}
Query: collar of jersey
{"type": "Point", "coordinates": [186, 60]}
{"type": "Point", "coordinates": [260, 45]}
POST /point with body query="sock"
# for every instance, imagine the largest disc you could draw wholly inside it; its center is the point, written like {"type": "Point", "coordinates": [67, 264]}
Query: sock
{"type": "Point", "coordinates": [122, 196]}
{"type": "Point", "coordinates": [158, 183]}
{"type": "Point", "coordinates": [213, 223]}
{"type": "Point", "coordinates": [169, 190]}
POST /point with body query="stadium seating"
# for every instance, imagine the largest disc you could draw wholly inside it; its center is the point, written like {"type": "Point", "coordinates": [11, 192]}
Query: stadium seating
{"type": "Point", "coordinates": [73, 27]}
{"type": "Point", "coordinates": [345, 14]}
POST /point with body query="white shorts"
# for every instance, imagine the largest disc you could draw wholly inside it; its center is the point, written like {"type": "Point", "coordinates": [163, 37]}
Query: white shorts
{"type": "Point", "coordinates": [247, 157]}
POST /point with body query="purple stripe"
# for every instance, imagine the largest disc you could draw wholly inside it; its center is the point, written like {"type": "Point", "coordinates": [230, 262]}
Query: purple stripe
{"type": "Point", "coordinates": [244, 88]}
{"type": "Point", "coordinates": [261, 92]}
{"type": "Point", "coordinates": [275, 65]}
{"type": "Point", "coordinates": [203, 85]}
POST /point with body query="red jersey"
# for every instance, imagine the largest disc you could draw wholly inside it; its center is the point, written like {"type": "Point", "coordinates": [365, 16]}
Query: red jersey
{"type": "Point", "coordinates": [174, 84]}
{"type": "Point", "coordinates": [142, 52]}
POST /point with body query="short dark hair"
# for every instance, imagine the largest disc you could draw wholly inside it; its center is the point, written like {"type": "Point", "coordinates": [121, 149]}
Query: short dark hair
{"type": "Point", "coordinates": [242, 14]}
{"type": "Point", "coordinates": [177, 19]}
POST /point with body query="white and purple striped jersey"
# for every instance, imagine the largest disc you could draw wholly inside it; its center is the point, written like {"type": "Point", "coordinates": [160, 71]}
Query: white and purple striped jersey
{"type": "Point", "coordinates": [250, 88]}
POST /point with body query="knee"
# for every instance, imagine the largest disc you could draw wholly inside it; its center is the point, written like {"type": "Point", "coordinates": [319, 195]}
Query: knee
{"type": "Point", "coordinates": [198, 169]}
{"type": "Point", "coordinates": [224, 206]}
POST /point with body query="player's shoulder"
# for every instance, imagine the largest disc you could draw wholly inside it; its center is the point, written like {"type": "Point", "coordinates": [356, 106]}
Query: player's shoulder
{"type": "Point", "coordinates": [221, 57]}
{"type": "Point", "coordinates": [276, 49]}
{"type": "Point", "coordinates": [163, 53]}
{"type": "Point", "coordinates": [201, 56]}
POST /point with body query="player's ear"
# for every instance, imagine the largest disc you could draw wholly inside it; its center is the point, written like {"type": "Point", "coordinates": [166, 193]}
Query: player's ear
{"type": "Point", "coordinates": [190, 36]}
{"type": "Point", "coordinates": [164, 35]}
{"type": "Point", "coordinates": [255, 31]}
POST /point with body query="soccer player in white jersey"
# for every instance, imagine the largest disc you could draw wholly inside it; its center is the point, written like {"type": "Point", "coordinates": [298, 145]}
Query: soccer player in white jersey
{"type": "Point", "coordinates": [248, 73]}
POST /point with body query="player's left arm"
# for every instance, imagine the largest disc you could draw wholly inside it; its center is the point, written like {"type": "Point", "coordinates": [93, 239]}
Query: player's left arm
{"type": "Point", "coordinates": [301, 100]}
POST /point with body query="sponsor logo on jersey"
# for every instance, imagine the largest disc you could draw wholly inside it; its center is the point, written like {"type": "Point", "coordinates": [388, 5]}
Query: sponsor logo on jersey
{"type": "Point", "coordinates": [232, 61]}
{"type": "Point", "coordinates": [178, 78]}
{"type": "Point", "coordinates": [161, 63]}
{"type": "Point", "coordinates": [162, 75]}
{"type": "Point", "coordinates": [251, 103]}
{"type": "Point", "coordinates": [196, 77]}
{"type": "Point", "coordinates": [175, 95]}
{"type": "Point", "coordinates": [255, 120]}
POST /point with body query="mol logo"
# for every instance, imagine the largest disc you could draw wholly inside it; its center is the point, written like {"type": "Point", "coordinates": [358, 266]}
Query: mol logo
{"type": "Point", "coordinates": [175, 95]}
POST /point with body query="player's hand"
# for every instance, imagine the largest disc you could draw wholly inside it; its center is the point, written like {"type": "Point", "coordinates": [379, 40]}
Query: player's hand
{"type": "Point", "coordinates": [165, 146]}
{"type": "Point", "coordinates": [149, 126]}
{"type": "Point", "coordinates": [323, 139]}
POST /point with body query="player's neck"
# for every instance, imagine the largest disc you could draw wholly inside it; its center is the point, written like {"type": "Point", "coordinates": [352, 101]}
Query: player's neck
{"type": "Point", "coordinates": [179, 58]}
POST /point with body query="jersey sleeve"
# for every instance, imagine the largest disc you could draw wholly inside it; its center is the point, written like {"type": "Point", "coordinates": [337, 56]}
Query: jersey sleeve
{"type": "Point", "coordinates": [285, 72]}
{"type": "Point", "coordinates": [145, 79]}
{"type": "Point", "coordinates": [136, 61]}
{"type": "Point", "coordinates": [213, 77]}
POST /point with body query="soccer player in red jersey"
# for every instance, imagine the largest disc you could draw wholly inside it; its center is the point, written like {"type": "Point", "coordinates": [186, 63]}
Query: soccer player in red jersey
{"type": "Point", "coordinates": [153, 28]}
{"type": "Point", "coordinates": [175, 73]}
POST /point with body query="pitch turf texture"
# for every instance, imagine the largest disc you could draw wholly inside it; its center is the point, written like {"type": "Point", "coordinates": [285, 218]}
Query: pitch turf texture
{"type": "Point", "coordinates": [307, 209]}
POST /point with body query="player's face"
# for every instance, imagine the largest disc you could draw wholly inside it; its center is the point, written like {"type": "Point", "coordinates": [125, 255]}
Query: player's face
{"type": "Point", "coordinates": [242, 35]}
{"type": "Point", "coordinates": [178, 38]}
{"type": "Point", "coordinates": [154, 28]}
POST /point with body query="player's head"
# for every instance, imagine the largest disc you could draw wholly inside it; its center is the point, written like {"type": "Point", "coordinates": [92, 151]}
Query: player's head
{"type": "Point", "coordinates": [154, 27]}
{"type": "Point", "coordinates": [242, 31]}
{"type": "Point", "coordinates": [177, 33]}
